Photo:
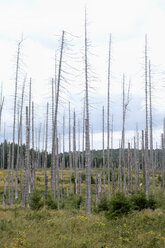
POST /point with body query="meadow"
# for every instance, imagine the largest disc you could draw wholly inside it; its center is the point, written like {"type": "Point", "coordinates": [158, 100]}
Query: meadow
{"type": "Point", "coordinates": [71, 227]}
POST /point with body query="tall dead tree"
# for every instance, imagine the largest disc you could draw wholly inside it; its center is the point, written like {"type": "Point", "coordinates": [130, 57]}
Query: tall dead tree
{"type": "Point", "coordinates": [143, 162]}
{"type": "Point", "coordinates": [103, 154]}
{"type": "Point", "coordinates": [70, 154]}
{"type": "Point", "coordinates": [87, 139]}
{"type": "Point", "coordinates": [14, 116]}
{"type": "Point", "coordinates": [113, 167]}
{"type": "Point", "coordinates": [54, 135]}
{"type": "Point", "coordinates": [74, 152]}
{"type": "Point", "coordinates": [19, 134]}
{"type": "Point", "coordinates": [125, 106]}
{"type": "Point", "coordinates": [163, 160]}
{"type": "Point", "coordinates": [27, 166]}
{"type": "Point", "coordinates": [146, 110]}
{"type": "Point", "coordinates": [108, 115]}
{"type": "Point", "coordinates": [45, 157]}
{"type": "Point", "coordinates": [151, 130]}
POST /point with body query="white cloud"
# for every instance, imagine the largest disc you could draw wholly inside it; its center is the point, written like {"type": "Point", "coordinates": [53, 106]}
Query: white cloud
{"type": "Point", "coordinates": [42, 21]}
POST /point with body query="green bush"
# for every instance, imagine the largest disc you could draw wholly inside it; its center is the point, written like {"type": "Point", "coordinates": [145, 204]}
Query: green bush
{"type": "Point", "coordinates": [152, 203]}
{"type": "Point", "coordinates": [139, 201]}
{"type": "Point", "coordinates": [92, 180]}
{"type": "Point", "coordinates": [38, 179]}
{"type": "Point", "coordinates": [51, 204]}
{"type": "Point", "coordinates": [119, 205]}
{"type": "Point", "coordinates": [77, 201]}
{"type": "Point", "coordinates": [35, 201]}
{"type": "Point", "coordinates": [83, 176]}
{"type": "Point", "coordinates": [73, 178]}
{"type": "Point", "coordinates": [103, 205]}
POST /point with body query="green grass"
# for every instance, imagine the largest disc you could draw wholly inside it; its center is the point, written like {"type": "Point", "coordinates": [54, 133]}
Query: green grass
{"type": "Point", "coordinates": [70, 227]}
{"type": "Point", "coordinates": [73, 229]}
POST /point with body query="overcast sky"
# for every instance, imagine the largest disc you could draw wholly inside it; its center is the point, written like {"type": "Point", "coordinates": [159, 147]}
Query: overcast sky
{"type": "Point", "coordinates": [42, 21]}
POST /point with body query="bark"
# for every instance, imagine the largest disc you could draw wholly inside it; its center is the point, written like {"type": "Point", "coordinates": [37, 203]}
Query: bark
{"type": "Point", "coordinates": [108, 115]}
{"type": "Point", "coordinates": [70, 154]}
{"type": "Point", "coordinates": [146, 130]}
{"type": "Point", "coordinates": [87, 138]}
{"type": "Point", "coordinates": [103, 155]}
{"type": "Point", "coordinates": [14, 118]}
{"type": "Point", "coordinates": [151, 132]}
{"type": "Point", "coordinates": [45, 160]}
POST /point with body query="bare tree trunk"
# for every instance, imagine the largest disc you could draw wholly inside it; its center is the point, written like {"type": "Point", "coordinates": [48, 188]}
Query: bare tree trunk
{"type": "Point", "coordinates": [103, 151]}
{"type": "Point", "coordinates": [120, 170]}
{"type": "Point", "coordinates": [79, 183]}
{"type": "Point", "coordinates": [4, 194]}
{"type": "Point", "coordinates": [113, 168]}
{"type": "Point", "coordinates": [45, 160]}
{"type": "Point", "coordinates": [163, 163]}
{"type": "Point", "coordinates": [129, 167]}
{"type": "Point", "coordinates": [56, 110]}
{"type": "Point", "coordinates": [146, 130]}
{"type": "Point", "coordinates": [83, 136]}
{"type": "Point", "coordinates": [14, 119]}
{"type": "Point", "coordinates": [19, 134]}
{"type": "Point", "coordinates": [26, 172]}
{"type": "Point", "coordinates": [74, 152]}
{"type": "Point", "coordinates": [151, 132]}
{"type": "Point", "coordinates": [108, 115]}
{"type": "Point", "coordinates": [33, 155]}
{"type": "Point", "coordinates": [63, 158]}
{"type": "Point", "coordinates": [9, 174]}
{"type": "Point", "coordinates": [136, 167]}
{"type": "Point", "coordinates": [57, 173]}
{"type": "Point", "coordinates": [70, 154]}
{"type": "Point", "coordinates": [87, 139]}
{"type": "Point", "coordinates": [143, 162]}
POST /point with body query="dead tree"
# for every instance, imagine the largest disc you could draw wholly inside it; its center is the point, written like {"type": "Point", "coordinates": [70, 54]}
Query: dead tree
{"type": "Point", "coordinates": [125, 106]}
{"type": "Point", "coordinates": [70, 154]}
{"type": "Point", "coordinates": [87, 139]}
{"type": "Point", "coordinates": [54, 135]}
{"type": "Point", "coordinates": [45, 157]}
{"type": "Point", "coordinates": [14, 117]}
{"type": "Point", "coordinates": [74, 152]}
{"type": "Point", "coordinates": [103, 154]}
{"type": "Point", "coordinates": [19, 135]}
{"type": "Point", "coordinates": [108, 115]}
{"type": "Point", "coordinates": [151, 131]}
{"type": "Point", "coordinates": [146, 110]}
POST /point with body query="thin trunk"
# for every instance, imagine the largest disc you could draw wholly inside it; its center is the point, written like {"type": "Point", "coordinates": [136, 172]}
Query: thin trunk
{"type": "Point", "coordinates": [146, 130]}
{"type": "Point", "coordinates": [45, 160]}
{"type": "Point", "coordinates": [14, 119]}
{"type": "Point", "coordinates": [103, 150]}
{"type": "Point", "coordinates": [70, 154]}
{"type": "Point", "coordinates": [74, 152]}
{"type": "Point", "coordinates": [108, 115]}
{"type": "Point", "coordinates": [151, 132]}
{"type": "Point", "coordinates": [54, 135]}
{"type": "Point", "coordinates": [87, 139]}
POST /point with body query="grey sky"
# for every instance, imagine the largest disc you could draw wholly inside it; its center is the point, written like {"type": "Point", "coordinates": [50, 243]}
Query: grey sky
{"type": "Point", "coordinates": [42, 21]}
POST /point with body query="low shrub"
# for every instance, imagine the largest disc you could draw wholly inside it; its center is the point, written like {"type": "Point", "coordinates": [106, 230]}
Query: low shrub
{"type": "Point", "coordinates": [119, 205]}
{"type": "Point", "coordinates": [152, 203]}
{"type": "Point", "coordinates": [92, 180]}
{"type": "Point", "coordinates": [35, 201]}
{"type": "Point", "coordinates": [139, 201]}
{"type": "Point", "coordinates": [77, 202]}
{"type": "Point", "coordinates": [38, 179]}
{"type": "Point", "coordinates": [83, 176]}
{"type": "Point", "coordinates": [51, 204]}
{"type": "Point", "coordinates": [103, 205]}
